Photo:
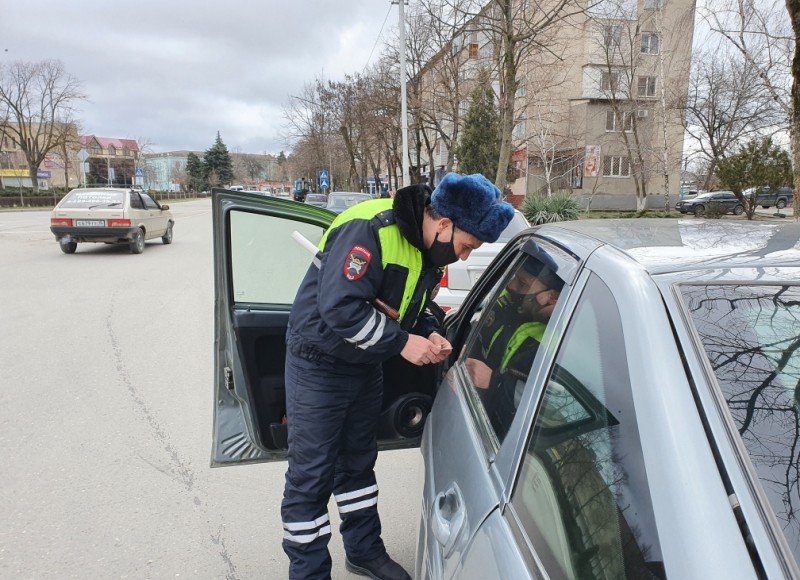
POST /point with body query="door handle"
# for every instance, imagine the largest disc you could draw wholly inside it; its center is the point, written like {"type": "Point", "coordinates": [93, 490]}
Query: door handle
{"type": "Point", "coordinates": [448, 514]}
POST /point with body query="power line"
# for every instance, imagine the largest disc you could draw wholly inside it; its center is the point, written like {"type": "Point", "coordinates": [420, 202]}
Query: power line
{"type": "Point", "coordinates": [377, 39]}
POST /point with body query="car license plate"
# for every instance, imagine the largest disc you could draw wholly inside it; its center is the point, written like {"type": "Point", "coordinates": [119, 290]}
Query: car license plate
{"type": "Point", "coordinates": [90, 223]}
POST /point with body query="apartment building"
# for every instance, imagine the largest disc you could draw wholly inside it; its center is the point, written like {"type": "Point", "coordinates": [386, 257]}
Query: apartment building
{"type": "Point", "coordinates": [598, 112]}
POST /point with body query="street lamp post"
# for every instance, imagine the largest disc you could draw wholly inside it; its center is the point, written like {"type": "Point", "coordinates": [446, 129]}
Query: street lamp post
{"type": "Point", "coordinates": [403, 105]}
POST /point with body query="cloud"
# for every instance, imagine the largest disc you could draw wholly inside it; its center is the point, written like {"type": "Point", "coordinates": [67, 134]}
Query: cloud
{"type": "Point", "coordinates": [176, 72]}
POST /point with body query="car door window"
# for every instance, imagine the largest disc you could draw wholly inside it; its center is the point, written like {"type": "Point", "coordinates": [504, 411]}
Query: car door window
{"type": "Point", "coordinates": [262, 272]}
{"type": "Point", "coordinates": [136, 202]}
{"type": "Point", "coordinates": [507, 330]}
{"type": "Point", "coordinates": [582, 493]}
{"type": "Point", "coordinates": [149, 203]}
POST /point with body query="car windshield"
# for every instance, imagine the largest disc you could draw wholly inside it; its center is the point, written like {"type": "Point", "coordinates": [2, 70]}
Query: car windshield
{"type": "Point", "coordinates": [515, 226]}
{"type": "Point", "coordinates": [88, 198]}
{"type": "Point", "coordinates": [343, 201]}
{"type": "Point", "coordinates": [751, 335]}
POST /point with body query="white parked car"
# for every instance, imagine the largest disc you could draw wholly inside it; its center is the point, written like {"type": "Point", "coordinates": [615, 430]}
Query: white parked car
{"type": "Point", "coordinates": [113, 216]}
{"type": "Point", "coordinates": [460, 277]}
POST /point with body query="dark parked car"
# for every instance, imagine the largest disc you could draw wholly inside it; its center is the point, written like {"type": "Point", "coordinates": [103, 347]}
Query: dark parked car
{"type": "Point", "coordinates": [713, 201]}
{"type": "Point", "coordinates": [650, 431]}
{"type": "Point", "coordinates": [766, 197]}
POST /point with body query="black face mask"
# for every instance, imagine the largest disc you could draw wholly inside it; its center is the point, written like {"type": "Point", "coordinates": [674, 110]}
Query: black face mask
{"type": "Point", "coordinates": [443, 253]}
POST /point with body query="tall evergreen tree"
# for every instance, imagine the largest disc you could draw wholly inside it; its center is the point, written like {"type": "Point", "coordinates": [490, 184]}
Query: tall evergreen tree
{"type": "Point", "coordinates": [217, 162]}
{"type": "Point", "coordinates": [479, 147]}
{"type": "Point", "coordinates": [196, 172]}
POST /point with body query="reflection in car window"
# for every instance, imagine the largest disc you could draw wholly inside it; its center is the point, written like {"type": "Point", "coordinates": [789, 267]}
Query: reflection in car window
{"type": "Point", "coordinates": [751, 335]}
{"type": "Point", "coordinates": [136, 202]}
{"type": "Point", "coordinates": [582, 494]}
{"type": "Point", "coordinates": [506, 340]}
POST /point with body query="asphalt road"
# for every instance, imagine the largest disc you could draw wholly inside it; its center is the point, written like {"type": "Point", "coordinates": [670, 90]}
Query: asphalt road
{"type": "Point", "coordinates": [105, 420]}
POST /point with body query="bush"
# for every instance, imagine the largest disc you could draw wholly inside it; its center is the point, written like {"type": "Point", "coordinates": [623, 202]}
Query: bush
{"type": "Point", "coordinates": [558, 208]}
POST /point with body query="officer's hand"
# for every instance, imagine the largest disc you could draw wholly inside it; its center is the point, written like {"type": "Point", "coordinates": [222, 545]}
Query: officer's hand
{"type": "Point", "coordinates": [419, 350]}
{"type": "Point", "coordinates": [444, 346]}
{"type": "Point", "coordinates": [479, 372]}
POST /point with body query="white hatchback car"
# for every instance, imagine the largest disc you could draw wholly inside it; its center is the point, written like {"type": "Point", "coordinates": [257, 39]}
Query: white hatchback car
{"type": "Point", "coordinates": [459, 278]}
{"type": "Point", "coordinates": [113, 216]}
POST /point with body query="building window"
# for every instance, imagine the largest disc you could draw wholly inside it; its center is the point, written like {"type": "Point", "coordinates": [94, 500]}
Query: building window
{"type": "Point", "coordinates": [650, 43]}
{"type": "Point", "coordinates": [646, 87]}
{"type": "Point", "coordinates": [473, 50]}
{"type": "Point", "coordinates": [521, 90]}
{"type": "Point", "coordinates": [519, 128]}
{"type": "Point", "coordinates": [112, 150]}
{"type": "Point", "coordinates": [609, 81]}
{"type": "Point", "coordinates": [653, 4]}
{"type": "Point", "coordinates": [616, 166]}
{"type": "Point", "coordinates": [612, 36]}
{"type": "Point", "coordinates": [619, 121]}
{"type": "Point", "coordinates": [95, 150]}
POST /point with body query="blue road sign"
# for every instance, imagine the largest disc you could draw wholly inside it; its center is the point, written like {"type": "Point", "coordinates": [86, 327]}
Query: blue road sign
{"type": "Point", "coordinates": [324, 179]}
{"type": "Point", "coordinates": [140, 172]}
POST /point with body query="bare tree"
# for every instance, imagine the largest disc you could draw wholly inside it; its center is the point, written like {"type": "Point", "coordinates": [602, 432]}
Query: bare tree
{"type": "Point", "coordinates": [634, 79]}
{"type": "Point", "coordinates": [767, 40]}
{"type": "Point", "coordinates": [517, 28]}
{"type": "Point", "coordinates": [726, 104]}
{"type": "Point", "coordinates": [446, 73]}
{"type": "Point", "coordinates": [37, 101]}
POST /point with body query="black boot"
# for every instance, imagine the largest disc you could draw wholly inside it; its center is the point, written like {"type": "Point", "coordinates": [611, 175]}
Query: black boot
{"type": "Point", "coordinates": [381, 568]}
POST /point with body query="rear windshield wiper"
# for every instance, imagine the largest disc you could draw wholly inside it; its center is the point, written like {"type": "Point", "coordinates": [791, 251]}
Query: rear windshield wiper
{"type": "Point", "coordinates": [106, 205]}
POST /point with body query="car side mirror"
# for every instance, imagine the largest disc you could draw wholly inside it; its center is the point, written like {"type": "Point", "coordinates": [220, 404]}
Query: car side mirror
{"type": "Point", "coordinates": [164, 207]}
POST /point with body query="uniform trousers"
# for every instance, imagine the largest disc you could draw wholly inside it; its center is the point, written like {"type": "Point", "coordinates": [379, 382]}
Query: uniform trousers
{"type": "Point", "coordinates": [332, 409]}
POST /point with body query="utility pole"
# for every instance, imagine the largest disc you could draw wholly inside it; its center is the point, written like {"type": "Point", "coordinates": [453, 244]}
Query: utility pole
{"type": "Point", "coordinates": [403, 106]}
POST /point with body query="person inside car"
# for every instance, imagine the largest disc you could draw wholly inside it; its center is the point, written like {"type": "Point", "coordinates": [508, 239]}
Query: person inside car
{"type": "Point", "coordinates": [509, 341]}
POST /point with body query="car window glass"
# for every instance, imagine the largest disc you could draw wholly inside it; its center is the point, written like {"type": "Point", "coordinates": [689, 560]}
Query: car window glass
{"type": "Point", "coordinates": [506, 339]}
{"type": "Point", "coordinates": [136, 202]}
{"type": "Point", "coordinates": [148, 202]}
{"type": "Point", "coordinates": [751, 336]}
{"type": "Point", "coordinates": [582, 494]}
{"type": "Point", "coordinates": [267, 265]}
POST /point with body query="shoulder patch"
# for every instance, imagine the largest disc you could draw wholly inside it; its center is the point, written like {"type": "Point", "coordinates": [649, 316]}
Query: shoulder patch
{"type": "Point", "coordinates": [357, 262]}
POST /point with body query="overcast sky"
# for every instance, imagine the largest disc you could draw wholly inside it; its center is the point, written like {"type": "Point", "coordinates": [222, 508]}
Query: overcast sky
{"type": "Point", "coordinates": [176, 71]}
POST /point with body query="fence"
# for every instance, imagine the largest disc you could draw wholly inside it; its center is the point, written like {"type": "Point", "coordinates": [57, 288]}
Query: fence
{"type": "Point", "coordinates": [13, 200]}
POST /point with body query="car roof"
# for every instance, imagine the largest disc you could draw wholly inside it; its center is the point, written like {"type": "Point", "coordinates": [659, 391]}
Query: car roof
{"type": "Point", "coordinates": [675, 245]}
{"type": "Point", "coordinates": [123, 189]}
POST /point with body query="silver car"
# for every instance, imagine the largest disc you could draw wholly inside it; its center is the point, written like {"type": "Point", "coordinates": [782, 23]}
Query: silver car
{"type": "Point", "coordinates": [621, 401]}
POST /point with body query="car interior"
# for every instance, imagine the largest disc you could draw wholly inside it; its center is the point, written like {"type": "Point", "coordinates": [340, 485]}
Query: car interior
{"type": "Point", "coordinates": [261, 338]}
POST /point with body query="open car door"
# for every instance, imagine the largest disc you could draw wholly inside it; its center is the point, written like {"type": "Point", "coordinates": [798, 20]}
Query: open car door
{"type": "Point", "coordinates": [258, 268]}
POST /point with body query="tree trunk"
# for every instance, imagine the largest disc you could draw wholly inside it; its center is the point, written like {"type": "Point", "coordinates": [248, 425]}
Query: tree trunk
{"type": "Point", "coordinates": [352, 172]}
{"type": "Point", "coordinates": [793, 7]}
{"type": "Point", "coordinates": [641, 203]}
{"type": "Point", "coordinates": [33, 171]}
{"type": "Point", "coordinates": [506, 116]}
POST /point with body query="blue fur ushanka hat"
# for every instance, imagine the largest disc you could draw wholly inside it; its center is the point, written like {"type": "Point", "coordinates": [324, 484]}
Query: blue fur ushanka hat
{"type": "Point", "coordinates": [473, 204]}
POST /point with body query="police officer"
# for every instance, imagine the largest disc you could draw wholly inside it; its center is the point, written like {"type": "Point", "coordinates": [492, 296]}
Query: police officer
{"type": "Point", "coordinates": [363, 304]}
